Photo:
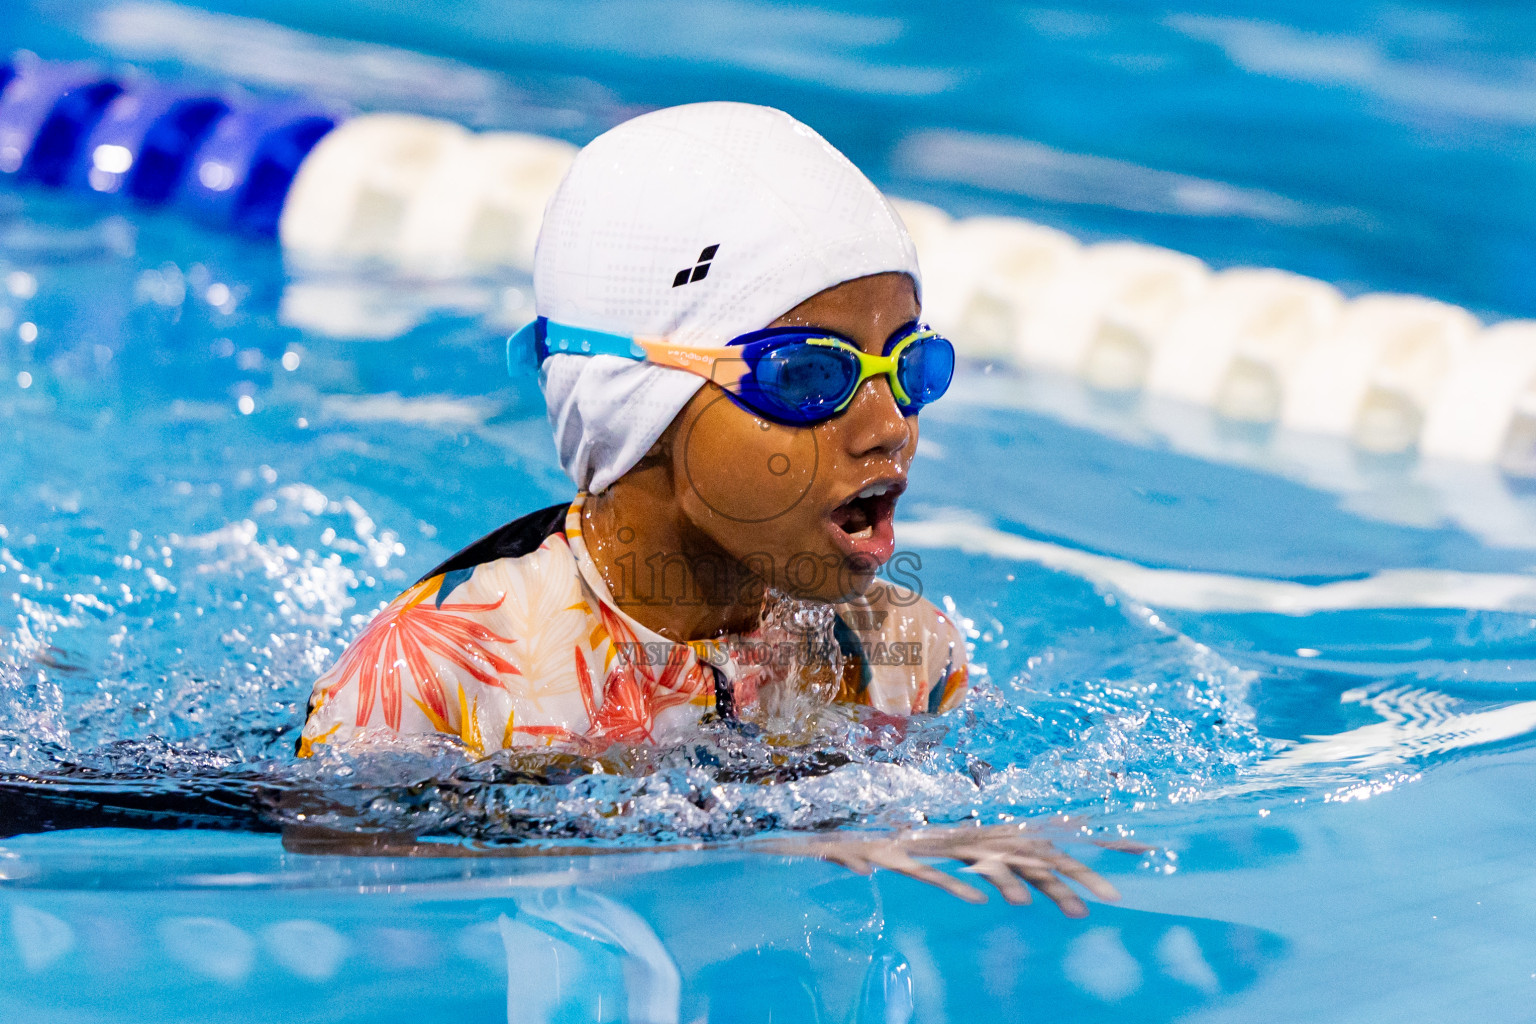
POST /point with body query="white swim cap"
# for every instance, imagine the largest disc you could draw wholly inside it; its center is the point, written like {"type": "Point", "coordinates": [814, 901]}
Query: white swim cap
{"type": "Point", "coordinates": [695, 223]}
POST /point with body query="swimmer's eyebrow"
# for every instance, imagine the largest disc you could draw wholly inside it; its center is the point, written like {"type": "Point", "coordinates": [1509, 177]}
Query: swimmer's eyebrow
{"type": "Point", "coordinates": [810, 326]}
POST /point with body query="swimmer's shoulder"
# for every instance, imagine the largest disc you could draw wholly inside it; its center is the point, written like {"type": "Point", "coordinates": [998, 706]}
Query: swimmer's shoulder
{"type": "Point", "coordinates": [901, 653]}
{"type": "Point", "coordinates": [447, 640]}
{"type": "Point", "coordinates": [520, 537]}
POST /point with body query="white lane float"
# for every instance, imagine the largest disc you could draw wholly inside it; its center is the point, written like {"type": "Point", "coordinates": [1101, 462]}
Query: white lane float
{"type": "Point", "coordinates": [1376, 373]}
{"type": "Point", "coordinates": [351, 195]}
{"type": "Point", "coordinates": [1103, 314]}
{"type": "Point", "coordinates": [481, 209]}
{"type": "Point", "coordinates": [1234, 347]}
{"type": "Point", "coordinates": [1392, 374]}
{"type": "Point", "coordinates": [1486, 409]}
{"type": "Point", "coordinates": [984, 278]}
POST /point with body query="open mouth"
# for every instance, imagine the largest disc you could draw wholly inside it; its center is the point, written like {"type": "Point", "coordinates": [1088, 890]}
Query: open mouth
{"type": "Point", "coordinates": [862, 524]}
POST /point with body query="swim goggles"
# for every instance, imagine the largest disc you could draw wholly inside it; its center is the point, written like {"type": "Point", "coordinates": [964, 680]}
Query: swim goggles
{"type": "Point", "coordinates": [792, 375]}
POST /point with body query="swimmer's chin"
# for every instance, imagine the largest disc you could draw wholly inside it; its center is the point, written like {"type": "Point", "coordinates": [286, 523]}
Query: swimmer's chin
{"type": "Point", "coordinates": [853, 579]}
{"type": "Point", "coordinates": [859, 570]}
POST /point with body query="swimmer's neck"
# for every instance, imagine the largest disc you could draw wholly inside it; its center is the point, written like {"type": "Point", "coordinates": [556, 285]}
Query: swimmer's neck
{"type": "Point", "coordinates": [662, 571]}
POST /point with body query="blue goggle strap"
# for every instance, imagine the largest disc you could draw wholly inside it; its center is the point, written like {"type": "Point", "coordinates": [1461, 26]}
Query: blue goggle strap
{"type": "Point", "coordinates": [544, 337]}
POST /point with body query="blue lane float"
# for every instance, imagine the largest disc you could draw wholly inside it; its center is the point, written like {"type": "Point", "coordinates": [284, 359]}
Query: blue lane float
{"type": "Point", "coordinates": [143, 143]}
{"type": "Point", "coordinates": [226, 162]}
{"type": "Point", "coordinates": [45, 111]}
{"type": "Point", "coordinates": [239, 177]}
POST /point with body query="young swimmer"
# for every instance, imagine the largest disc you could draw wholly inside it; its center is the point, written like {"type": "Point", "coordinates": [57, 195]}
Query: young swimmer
{"type": "Point", "coordinates": [730, 344]}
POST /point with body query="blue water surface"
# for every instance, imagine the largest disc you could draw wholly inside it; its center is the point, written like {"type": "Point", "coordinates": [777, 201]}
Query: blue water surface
{"type": "Point", "coordinates": [208, 494]}
{"type": "Point", "coordinates": [1384, 146]}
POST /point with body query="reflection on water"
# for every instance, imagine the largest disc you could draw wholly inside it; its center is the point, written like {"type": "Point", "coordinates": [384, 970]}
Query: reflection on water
{"type": "Point", "coordinates": [551, 940]}
{"type": "Point", "coordinates": [219, 471]}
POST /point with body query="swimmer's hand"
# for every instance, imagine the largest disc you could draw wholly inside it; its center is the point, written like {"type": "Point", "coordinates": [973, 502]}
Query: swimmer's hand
{"type": "Point", "coordinates": [1001, 854]}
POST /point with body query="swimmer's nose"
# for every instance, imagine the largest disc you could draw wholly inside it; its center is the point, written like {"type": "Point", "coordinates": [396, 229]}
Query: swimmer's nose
{"type": "Point", "coordinates": [873, 424]}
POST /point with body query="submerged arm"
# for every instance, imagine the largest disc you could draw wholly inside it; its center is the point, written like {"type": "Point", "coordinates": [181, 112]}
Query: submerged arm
{"type": "Point", "coordinates": [1004, 855]}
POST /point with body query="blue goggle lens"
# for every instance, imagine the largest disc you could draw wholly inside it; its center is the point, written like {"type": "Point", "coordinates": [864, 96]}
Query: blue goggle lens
{"type": "Point", "coordinates": [804, 382]}
{"type": "Point", "coordinates": [925, 370]}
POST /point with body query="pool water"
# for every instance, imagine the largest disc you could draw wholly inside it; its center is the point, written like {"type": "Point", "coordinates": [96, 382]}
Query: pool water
{"type": "Point", "coordinates": [220, 467]}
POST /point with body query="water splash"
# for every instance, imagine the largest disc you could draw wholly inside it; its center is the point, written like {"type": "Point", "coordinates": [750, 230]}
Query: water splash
{"type": "Point", "coordinates": [181, 565]}
{"type": "Point", "coordinates": [792, 668]}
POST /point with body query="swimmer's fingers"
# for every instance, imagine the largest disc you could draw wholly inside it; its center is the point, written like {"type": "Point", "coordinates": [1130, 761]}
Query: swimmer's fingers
{"type": "Point", "coordinates": [979, 844]}
{"type": "Point", "coordinates": [1003, 857]}
{"type": "Point", "coordinates": [1042, 854]}
{"type": "Point", "coordinates": [846, 857]}
{"type": "Point", "coordinates": [1083, 875]}
{"type": "Point", "coordinates": [901, 862]}
{"type": "Point", "coordinates": [1050, 885]}
{"type": "Point", "coordinates": [1001, 874]}
{"type": "Point", "coordinates": [1039, 863]}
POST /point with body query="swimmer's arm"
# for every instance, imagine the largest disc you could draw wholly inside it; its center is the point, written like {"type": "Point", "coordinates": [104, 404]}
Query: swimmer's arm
{"type": "Point", "coordinates": [1011, 860]}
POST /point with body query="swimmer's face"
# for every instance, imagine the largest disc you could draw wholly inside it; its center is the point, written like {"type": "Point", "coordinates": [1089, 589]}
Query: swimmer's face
{"type": "Point", "coordinates": [785, 500]}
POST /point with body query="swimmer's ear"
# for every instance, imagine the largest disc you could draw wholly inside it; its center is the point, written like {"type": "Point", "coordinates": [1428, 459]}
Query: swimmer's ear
{"type": "Point", "coordinates": [657, 456]}
{"type": "Point", "coordinates": [661, 452]}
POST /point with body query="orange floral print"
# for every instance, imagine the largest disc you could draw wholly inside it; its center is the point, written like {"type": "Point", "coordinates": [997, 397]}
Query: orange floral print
{"type": "Point", "coordinates": [401, 637]}
{"type": "Point", "coordinates": [536, 653]}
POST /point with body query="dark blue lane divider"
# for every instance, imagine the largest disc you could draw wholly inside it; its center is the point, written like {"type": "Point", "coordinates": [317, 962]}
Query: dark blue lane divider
{"type": "Point", "coordinates": [142, 144]}
{"type": "Point", "coordinates": [239, 177]}
{"type": "Point", "coordinates": [226, 159]}
{"type": "Point", "coordinates": [44, 111]}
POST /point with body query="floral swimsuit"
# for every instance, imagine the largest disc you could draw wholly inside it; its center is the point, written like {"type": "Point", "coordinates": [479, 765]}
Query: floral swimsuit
{"type": "Point", "coordinates": [516, 641]}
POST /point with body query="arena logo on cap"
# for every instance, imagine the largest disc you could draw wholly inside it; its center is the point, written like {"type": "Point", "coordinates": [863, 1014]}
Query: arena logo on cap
{"type": "Point", "coordinates": [697, 272]}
